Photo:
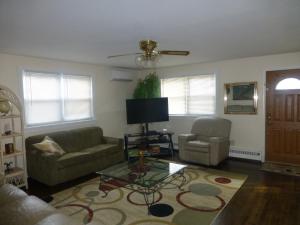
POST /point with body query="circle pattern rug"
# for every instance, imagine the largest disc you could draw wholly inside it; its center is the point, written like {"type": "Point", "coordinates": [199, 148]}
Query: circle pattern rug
{"type": "Point", "coordinates": [161, 210]}
{"type": "Point", "coordinates": [202, 198]}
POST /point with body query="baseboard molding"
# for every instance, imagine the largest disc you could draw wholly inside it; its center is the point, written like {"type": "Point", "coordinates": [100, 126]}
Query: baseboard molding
{"type": "Point", "coordinates": [237, 152]}
{"type": "Point", "coordinates": [258, 162]}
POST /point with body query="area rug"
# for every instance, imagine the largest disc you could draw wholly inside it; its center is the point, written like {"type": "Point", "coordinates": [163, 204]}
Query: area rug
{"type": "Point", "coordinates": [205, 194]}
{"type": "Point", "coordinates": [281, 168]}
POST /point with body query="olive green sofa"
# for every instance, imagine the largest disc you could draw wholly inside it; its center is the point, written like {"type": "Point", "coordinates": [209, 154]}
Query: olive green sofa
{"type": "Point", "coordinates": [17, 208]}
{"type": "Point", "coordinates": [87, 151]}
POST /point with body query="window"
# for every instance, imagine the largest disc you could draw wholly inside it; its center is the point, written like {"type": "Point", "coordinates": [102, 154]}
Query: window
{"type": "Point", "coordinates": [190, 95]}
{"type": "Point", "coordinates": [53, 97]}
{"type": "Point", "coordinates": [288, 84]}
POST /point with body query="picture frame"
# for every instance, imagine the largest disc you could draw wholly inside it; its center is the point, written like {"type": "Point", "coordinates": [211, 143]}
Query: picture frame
{"type": "Point", "coordinates": [9, 148]}
{"type": "Point", "coordinates": [240, 98]}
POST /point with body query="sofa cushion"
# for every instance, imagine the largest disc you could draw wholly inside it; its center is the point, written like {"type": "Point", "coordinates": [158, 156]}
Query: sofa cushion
{"type": "Point", "coordinates": [72, 140]}
{"type": "Point", "coordinates": [9, 193]}
{"type": "Point", "coordinates": [58, 219]}
{"type": "Point", "coordinates": [84, 138]}
{"type": "Point", "coordinates": [73, 158]}
{"type": "Point", "coordinates": [102, 149]}
{"type": "Point", "coordinates": [24, 211]}
{"type": "Point", "coordinates": [50, 146]}
{"type": "Point", "coordinates": [17, 208]}
{"type": "Point", "coordinates": [211, 126]}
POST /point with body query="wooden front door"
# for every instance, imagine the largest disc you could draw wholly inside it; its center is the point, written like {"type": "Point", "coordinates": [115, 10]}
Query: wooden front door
{"type": "Point", "coordinates": [283, 116]}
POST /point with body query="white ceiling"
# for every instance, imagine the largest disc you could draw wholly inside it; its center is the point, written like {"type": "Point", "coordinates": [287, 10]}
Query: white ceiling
{"type": "Point", "coordinates": [90, 30]}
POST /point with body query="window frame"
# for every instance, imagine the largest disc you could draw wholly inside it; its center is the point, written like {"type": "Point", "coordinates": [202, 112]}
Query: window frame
{"type": "Point", "coordinates": [61, 100]}
{"type": "Point", "coordinates": [215, 95]}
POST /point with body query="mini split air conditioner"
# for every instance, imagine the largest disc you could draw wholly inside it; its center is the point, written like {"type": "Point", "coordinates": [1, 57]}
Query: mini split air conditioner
{"type": "Point", "coordinates": [122, 75]}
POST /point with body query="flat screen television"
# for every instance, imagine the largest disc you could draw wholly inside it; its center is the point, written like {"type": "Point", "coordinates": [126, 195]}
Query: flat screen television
{"type": "Point", "coordinates": [147, 110]}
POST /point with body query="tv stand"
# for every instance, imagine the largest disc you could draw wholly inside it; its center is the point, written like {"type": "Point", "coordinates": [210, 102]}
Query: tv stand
{"type": "Point", "coordinates": [151, 132]}
{"type": "Point", "coordinates": [148, 143]}
{"type": "Point", "coordinates": [148, 132]}
{"type": "Point", "coordinates": [146, 128]}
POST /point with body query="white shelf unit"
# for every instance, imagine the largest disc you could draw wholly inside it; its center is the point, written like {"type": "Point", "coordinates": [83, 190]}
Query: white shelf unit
{"type": "Point", "coordinates": [17, 175]}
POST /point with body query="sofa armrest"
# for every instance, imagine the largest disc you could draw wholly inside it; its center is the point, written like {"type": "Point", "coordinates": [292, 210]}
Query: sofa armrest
{"type": "Point", "coordinates": [119, 145]}
{"type": "Point", "coordinates": [112, 140]}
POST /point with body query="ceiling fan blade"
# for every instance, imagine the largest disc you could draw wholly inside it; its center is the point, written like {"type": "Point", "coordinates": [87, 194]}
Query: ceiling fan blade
{"type": "Point", "coordinates": [171, 52]}
{"type": "Point", "coordinates": [114, 56]}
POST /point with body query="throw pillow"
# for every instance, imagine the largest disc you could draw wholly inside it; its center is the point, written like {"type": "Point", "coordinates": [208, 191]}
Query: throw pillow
{"type": "Point", "coordinates": [49, 146]}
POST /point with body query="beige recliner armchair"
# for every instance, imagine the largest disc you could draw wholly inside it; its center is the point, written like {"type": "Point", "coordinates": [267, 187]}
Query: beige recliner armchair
{"type": "Point", "coordinates": [208, 142]}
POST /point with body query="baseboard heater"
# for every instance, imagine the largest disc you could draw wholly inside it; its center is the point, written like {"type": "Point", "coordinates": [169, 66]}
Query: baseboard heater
{"type": "Point", "coordinates": [246, 154]}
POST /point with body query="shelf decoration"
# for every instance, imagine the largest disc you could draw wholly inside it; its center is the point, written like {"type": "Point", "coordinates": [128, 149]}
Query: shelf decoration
{"type": "Point", "coordinates": [5, 106]}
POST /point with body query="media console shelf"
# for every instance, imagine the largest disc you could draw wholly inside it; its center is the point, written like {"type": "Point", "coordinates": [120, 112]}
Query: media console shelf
{"type": "Point", "coordinates": [149, 144]}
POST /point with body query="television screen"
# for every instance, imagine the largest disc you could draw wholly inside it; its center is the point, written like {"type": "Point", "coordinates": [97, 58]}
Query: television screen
{"type": "Point", "coordinates": [147, 110]}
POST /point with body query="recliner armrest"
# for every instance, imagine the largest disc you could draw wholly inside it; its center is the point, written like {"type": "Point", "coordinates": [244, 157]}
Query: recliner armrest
{"type": "Point", "coordinates": [219, 149]}
{"type": "Point", "coordinates": [186, 137]}
{"type": "Point", "coordinates": [217, 139]}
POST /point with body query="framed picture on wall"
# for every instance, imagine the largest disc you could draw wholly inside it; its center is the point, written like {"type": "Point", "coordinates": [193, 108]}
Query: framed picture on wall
{"type": "Point", "coordinates": [240, 98]}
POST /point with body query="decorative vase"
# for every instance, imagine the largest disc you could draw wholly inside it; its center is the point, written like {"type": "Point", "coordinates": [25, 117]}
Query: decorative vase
{"type": "Point", "coordinates": [5, 106]}
{"type": "Point", "coordinates": [141, 159]}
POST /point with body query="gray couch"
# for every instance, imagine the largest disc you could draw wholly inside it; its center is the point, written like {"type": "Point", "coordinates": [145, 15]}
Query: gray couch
{"type": "Point", "coordinates": [17, 208]}
{"type": "Point", "coordinates": [87, 151]}
{"type": "Point", "coordinates": [208, 143]}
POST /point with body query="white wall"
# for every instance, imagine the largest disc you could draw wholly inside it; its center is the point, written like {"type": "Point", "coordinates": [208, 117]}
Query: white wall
{"type": "Point", "coordinates": [109, 96]}
{"type": "Point", "coordinates": [248, 131]}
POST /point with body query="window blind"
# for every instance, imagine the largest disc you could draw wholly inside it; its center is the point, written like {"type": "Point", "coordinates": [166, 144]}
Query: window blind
{"type": "Point", "coordinates": [190, 94]}
{"type": "Point", "coordinates": [53, 97]}
{"type": "Point", "coordinates": [77, 97]}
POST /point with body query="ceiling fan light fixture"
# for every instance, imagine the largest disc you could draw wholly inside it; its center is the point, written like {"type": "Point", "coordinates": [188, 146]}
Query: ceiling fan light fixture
{"type": "Point", "coordinates": [144, 61]}
{"type": "Point", "coordinates": [150, 55]}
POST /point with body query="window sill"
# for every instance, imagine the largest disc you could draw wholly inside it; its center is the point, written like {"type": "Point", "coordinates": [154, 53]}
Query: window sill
{"type": "Point", "coordinates": [59, 126]}
{"type": "Point", "coordinates": [191, 115]}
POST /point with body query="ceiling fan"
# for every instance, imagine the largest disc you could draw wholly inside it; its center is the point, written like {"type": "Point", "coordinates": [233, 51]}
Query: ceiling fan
{"type": "Point", "coordinates": [150, 54]}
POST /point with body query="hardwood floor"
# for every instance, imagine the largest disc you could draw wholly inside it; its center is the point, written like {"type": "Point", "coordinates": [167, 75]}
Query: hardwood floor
{"type": "Point", "coordinates": [265, 198]}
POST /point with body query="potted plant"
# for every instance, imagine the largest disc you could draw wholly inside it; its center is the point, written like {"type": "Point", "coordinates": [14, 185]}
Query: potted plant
{"type": "Point", "coordinates": [149, 87]}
